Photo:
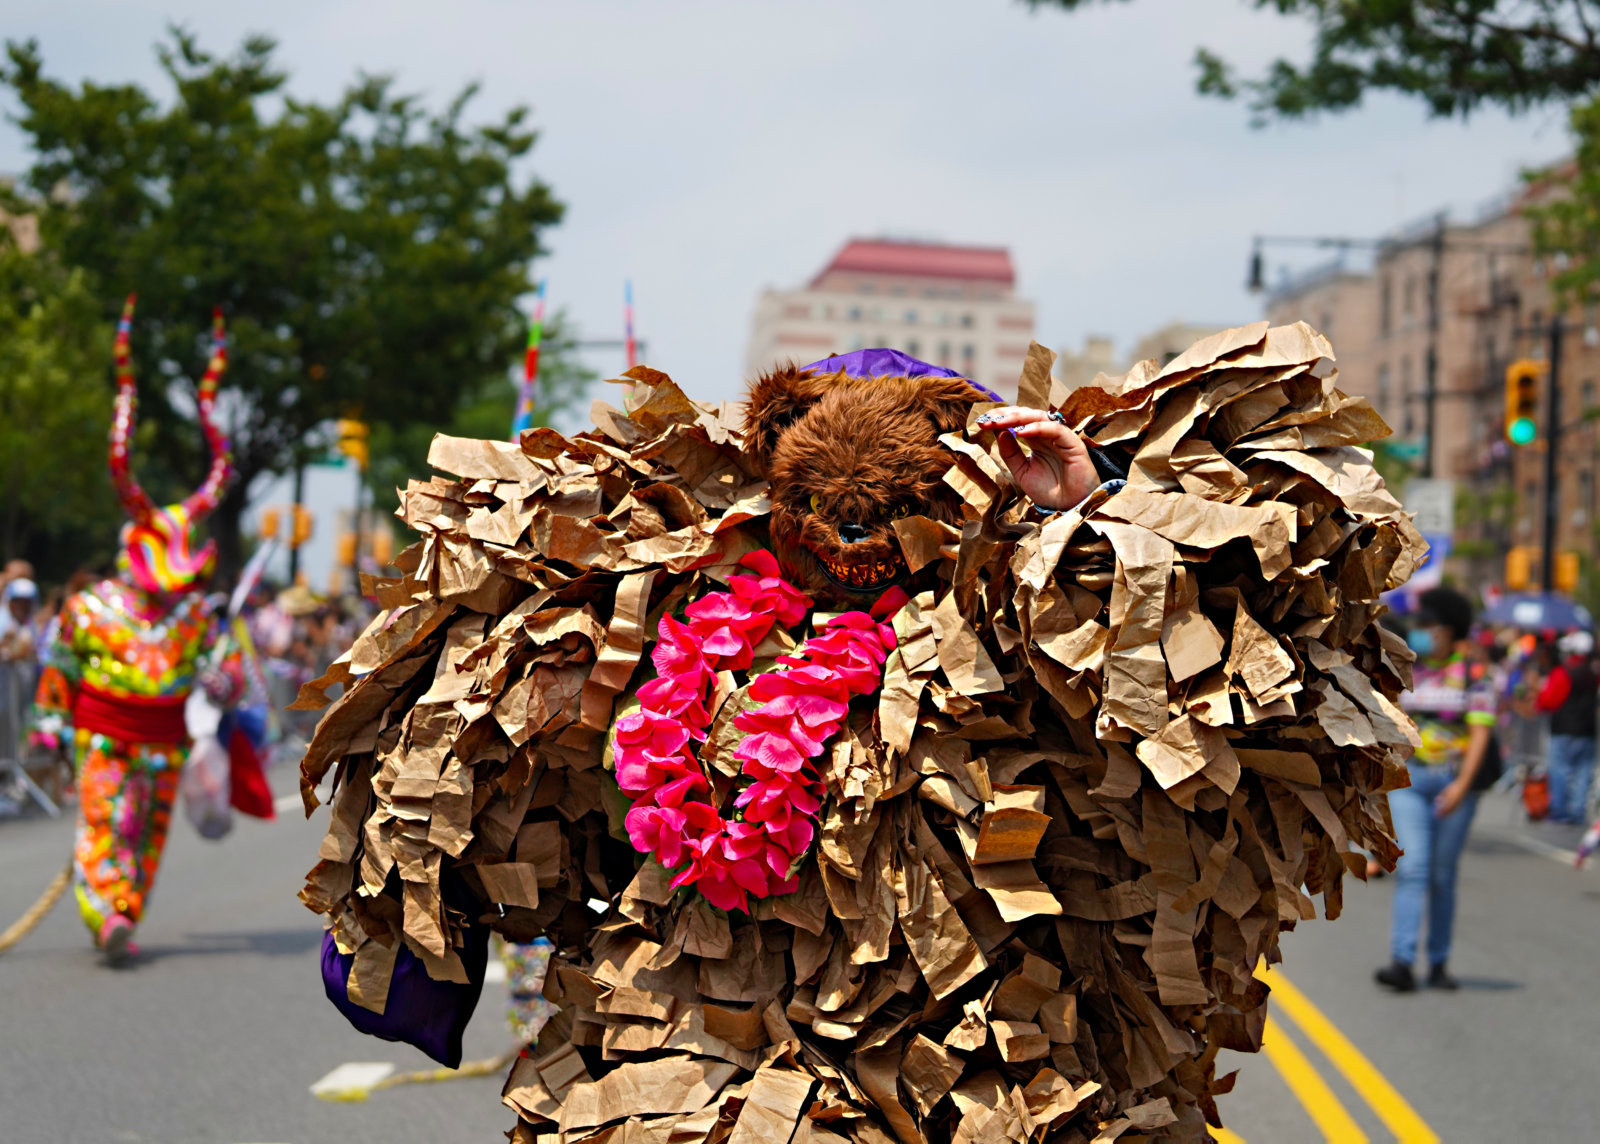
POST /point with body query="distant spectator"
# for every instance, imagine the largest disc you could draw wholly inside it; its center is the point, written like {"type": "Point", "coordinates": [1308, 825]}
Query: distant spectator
{"type": "Point", "coordinates": [15, 570]}
{"type": "Point", "coordinates": [1455, 717]}
{"type": "Point", "coordinates": [1569, 696]}
{"type": "Point", "coordinates": [19, 601]}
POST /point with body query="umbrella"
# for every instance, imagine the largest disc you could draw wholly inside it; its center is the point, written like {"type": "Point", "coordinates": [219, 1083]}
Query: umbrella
{"type": "Point", "coordinates": [1538, 612]}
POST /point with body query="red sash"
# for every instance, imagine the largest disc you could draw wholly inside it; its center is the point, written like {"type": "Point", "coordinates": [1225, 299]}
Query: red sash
{"type": "Point", "coordinates": [130, 718]}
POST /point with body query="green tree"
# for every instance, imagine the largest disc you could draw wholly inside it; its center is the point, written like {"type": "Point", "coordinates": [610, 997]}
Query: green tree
{"type": "Point", "coordinates": [400, 453]}
{"type": "Point", "coordinates": [1566, 221]}
{"type": "Point", "coordinates": [1455, 55]}
{"type": "Point", "coordinates": [56, 505]}
{"type": "Point", "coordinates": [368, 253]}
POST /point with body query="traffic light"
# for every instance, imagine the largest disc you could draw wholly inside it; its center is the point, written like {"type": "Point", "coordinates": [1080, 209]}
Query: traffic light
{"type": "Point", "coordinates": [353, 441]}
{"type": "Point", "coordinates": [347, 549]}
{"type": "Point", "coordinates": [301, 530]}
{"type": "Point", "coordinates": [1522, 400]}
{"type": "Point", "coordinates": [268, 528]}
{"type": "Point", "coordinates": [1566, 572]}
{"type": "Point", "coordinates": [1523, 563]}
{"type": "Point", "coordinates": [1519, 568]}
{"type": "Point", "coordinates": [383, 547]}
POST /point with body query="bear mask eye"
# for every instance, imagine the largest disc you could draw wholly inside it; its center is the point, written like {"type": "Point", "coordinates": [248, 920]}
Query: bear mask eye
{"type": "Point", "coordinates": [900, 512]}
{"type": "Point", "coordinates": [816, 503]}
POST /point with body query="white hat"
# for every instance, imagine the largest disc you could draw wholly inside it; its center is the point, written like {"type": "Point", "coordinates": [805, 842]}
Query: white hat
{"type": "Point", "coordinates": [1576, 643]}
{"type": "Point", "coordinates": [22, 589]}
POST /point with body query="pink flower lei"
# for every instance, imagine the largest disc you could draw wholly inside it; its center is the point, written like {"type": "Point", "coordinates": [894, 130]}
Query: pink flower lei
{"type": "Point", "coordinates": [801, 709]}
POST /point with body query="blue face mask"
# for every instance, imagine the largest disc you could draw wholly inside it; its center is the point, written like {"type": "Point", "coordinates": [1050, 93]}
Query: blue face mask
{"type": "Point", "coordinates": [1420, 640]}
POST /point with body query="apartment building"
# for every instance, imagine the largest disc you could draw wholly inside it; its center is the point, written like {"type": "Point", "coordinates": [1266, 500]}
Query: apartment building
{"type": "Point", "coordinates": [954, 306]}
{"type": "Point", "coordinates": [1494, 306]}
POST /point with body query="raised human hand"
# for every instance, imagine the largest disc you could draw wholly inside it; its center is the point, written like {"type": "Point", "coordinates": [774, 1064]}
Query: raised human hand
{"type": "Point", "coordinates": [1058, 473]}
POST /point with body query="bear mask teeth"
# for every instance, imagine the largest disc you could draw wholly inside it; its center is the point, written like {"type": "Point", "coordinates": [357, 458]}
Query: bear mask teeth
{"type": "Point", "coordinates": [863, 576]}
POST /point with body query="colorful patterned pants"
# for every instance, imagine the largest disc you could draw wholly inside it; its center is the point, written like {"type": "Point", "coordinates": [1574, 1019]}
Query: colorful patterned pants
{"type": "Point", "coordinates": [125, 797]}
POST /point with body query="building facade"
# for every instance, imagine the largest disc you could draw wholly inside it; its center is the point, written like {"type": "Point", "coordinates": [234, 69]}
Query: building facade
{"type": "Point", "coordinates": [1494, 306]}
{"type": "Point", "coordinates": [954, 306]}
{"type": "Point", "coordinates": [1080, 367]}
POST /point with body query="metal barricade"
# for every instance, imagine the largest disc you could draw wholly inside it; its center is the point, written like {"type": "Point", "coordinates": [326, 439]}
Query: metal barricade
{"type": "Point", "coordinates": [16, 698]}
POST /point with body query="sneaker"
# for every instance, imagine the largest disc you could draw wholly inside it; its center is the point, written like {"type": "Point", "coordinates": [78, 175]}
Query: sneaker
{"type": "Point", "coordinates": [1439, 978]}
{"type": "Point", "coordinates": [1397, 975]}
{"type": "Point", "coordinates": [116, 940]}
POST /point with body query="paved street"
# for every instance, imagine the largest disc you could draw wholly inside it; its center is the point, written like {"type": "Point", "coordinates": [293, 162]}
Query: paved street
{"type": "Point", "coordinates": [218, 1034]}
{"type": "Point", "coordinates": [1513, 1056]}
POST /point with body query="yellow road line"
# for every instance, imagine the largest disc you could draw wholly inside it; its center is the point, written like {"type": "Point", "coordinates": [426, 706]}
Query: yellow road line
{"type": "Point", "coordinates": [1398, 1116]}
{"type": "Point", "coordinates": [1309, 1088]}
{"type": "Point", "coordinates": [1225, 1136]}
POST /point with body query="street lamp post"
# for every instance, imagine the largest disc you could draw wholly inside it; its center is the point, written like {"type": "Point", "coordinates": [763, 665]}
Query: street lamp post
{"type": "Point", "coordinates": [1430, 361]}
{"type": "Point", "coordinates": [1552, 472]}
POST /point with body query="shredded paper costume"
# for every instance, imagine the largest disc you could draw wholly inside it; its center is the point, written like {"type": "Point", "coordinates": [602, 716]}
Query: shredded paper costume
{"type": "Point", "coordinates": [860, 798]}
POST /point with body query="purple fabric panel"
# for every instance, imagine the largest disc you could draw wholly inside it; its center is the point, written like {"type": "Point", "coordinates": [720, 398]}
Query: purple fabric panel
{"type": "Point", "coordinates": [882, 362]}
{"type": "Point", "coordinates": [432, 1015]}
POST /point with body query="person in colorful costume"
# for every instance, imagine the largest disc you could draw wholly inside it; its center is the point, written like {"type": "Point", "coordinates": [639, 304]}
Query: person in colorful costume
{"type": "Point", "coordinates": [129, 651]}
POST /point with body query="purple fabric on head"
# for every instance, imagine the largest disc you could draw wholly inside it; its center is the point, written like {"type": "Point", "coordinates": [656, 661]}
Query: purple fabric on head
{"type": "Point", "coordinates": [420, 1011]}
{"type": "Point", "coordinates": [890, 363]}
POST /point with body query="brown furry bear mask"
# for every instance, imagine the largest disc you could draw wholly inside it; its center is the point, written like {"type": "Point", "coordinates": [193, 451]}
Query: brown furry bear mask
{"type": "Point", "coordinates": [846, 457]}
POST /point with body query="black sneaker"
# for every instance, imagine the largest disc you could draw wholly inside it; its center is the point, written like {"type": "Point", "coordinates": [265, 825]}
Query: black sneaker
{"type": "Point", "coordinates": [1439, 978]}
{"type": "Point", "coordinates": [1397, 975]}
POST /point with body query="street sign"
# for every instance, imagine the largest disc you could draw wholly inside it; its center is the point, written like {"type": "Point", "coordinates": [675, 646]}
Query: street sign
{"type": "Point", "coordinates": [1433, 499]}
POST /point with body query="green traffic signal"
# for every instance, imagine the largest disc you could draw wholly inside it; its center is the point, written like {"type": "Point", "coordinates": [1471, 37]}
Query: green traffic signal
{"type": "Point", "coordinates": [1522, 431]}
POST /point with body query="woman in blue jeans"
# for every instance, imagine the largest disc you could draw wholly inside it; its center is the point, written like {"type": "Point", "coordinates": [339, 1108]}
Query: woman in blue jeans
{"type": "Point", "coordinates": [1455, 715]}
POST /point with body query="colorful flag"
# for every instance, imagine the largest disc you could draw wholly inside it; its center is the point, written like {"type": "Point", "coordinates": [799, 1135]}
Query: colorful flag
{"type": "Point", "coordinates": [627, 322]}
{"type": "Point", "coordinates": [523, 418]}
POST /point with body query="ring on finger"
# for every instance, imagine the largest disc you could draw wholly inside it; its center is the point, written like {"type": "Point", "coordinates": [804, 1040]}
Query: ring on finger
{"type": "Point", "coordinates": [1056, 416]}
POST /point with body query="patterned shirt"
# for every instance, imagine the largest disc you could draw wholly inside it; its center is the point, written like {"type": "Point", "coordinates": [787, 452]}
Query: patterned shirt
{"type": "Point", "coordinates": [1446, 700]}
{"type": "Point", "coordinates": [118, 640]}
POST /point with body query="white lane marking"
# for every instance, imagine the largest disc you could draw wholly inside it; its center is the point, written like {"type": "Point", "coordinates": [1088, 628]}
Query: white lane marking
{"type": "Point", "coordinates": [352, 1080]}
{"type": "Point", "coordinates": [284, 803]}
{"type": "Point", "coordinates": [495, 972]}
{"type": "Point", "coordinates": [1542, 848]}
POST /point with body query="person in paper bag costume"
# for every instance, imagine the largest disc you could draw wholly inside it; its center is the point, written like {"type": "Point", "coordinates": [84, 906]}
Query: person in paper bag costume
{"type": "Point", "coordinates": [871, 783]}
{"type": "Point", "coordinates": [128, 652]}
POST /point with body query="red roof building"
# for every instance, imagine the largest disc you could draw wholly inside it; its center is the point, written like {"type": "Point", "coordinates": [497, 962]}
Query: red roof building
{"type": "Point", "coordinates": [953, 306]}
{"type": "Point", "coordinates": [884, 259]}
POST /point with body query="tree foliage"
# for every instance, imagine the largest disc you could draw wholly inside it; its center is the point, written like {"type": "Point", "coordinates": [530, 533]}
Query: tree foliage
{"type": "Point", "coordinates": [1455, 55]}
{"type": "Point", "coordinates": [1566, 223]}
{"type": "Point", "coordinates": [56, 505]}
{"type": "Point", "coordinates": [368, 254]}
{"type": "Point", "coordinates": [400, 453]}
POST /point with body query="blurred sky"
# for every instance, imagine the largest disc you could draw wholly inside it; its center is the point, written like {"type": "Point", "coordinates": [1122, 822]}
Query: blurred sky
{"type": "Point", "coordinates": [708, 148]}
